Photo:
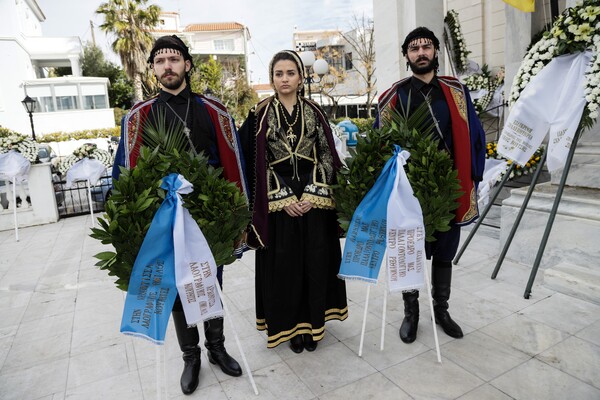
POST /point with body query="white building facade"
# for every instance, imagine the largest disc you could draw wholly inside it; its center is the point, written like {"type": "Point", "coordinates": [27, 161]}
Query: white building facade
{"type": "Point", "coordinates": [226, 42]}
{"type": "Point", "coordinates": [347, 85]}
{"type": "Point", "coordinates": [63, 104]}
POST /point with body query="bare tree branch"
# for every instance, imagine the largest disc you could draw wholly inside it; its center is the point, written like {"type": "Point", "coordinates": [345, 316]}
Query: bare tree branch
{"type": "Point", "coordinates": [362, 39]}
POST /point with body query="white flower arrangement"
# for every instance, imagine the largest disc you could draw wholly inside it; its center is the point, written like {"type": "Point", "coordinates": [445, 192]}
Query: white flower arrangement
{"type": "Point", "coordinates": [87, 150]}
{"type": "Point", "coordinates": [485, 81]}
{"type": "Point", "coordinates": [529, 167]}
{"type": "Point", "coordinates": [577, 29]}
{"type": "Point", "coordinates": [24, 145]}
{"type": "Point", "coordinates": [457, 40]}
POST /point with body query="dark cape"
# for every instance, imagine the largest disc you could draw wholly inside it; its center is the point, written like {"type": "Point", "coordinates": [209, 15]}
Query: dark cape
{"type": "Point", "coordinates": [468, 139]}
{"type": "Point", "coordinates": [297, 258]}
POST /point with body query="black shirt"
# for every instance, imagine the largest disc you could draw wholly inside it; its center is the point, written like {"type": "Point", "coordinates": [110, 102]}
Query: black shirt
{"type": "Point", "coordinates": [198, 121]}
{"type": "Point", "coordinates": [417, 91]}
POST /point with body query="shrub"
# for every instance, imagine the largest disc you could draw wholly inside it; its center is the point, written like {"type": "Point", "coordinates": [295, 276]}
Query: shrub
{"type": "Point", "coordinates": [363, 124]}
{"type": "Point", "coordinates": [85, 134]}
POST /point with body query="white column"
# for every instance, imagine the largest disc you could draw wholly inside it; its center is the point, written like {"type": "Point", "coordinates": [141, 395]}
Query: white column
{"type": "Point", "coordinates": [386, 18]}
{"type": "Point", "coordinates": [517, 38]}
{"type": "Point", "coordinates": [393, 21]}
{"type": "Point", "coordinates": [487, 25]}
{"type": "Point", "coordinates": [75, 68]}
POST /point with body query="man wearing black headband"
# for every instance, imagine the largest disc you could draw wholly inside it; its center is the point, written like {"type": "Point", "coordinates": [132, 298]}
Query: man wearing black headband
{"type": "Point", "coordinates": [210, 129]}
{"type": "Point", "coordinates": [459, 132]}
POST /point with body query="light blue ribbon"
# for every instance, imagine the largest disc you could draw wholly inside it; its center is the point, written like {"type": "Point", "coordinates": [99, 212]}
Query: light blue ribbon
{"type": "Point", "coordinates": [366, 239]}
{"type": "Point", "coordinates": [152, 289]}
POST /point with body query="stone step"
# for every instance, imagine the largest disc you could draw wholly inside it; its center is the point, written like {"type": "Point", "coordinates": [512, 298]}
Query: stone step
{"type": "Point", "coordinates": [585, 168]}
{"type": "Point", "coordinates": [493, 217]}
{"type": "Point", "coordinates": [575, 231]}
{"type": "Point", "coordinates": [574, 280]}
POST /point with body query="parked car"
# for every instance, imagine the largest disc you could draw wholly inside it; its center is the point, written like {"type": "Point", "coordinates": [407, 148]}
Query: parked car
{"type": "Point", "coordinates": [45, 153]}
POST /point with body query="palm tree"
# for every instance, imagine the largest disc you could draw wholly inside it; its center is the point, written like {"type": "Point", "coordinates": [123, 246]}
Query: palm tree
{"type": "Point", "coordinates": [131, 23]}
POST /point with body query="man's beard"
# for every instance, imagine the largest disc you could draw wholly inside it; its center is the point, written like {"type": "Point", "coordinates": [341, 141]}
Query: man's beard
{"type": "Point", "coordinates": [421, 70]}
{"type": "Point", "coordinates": [173, 84]}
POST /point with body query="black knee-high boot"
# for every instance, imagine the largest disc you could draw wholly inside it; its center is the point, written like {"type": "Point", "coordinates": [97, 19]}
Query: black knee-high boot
{"type": "Point", "coordinates": [188, 342]}
{"type": "Point", "coordinates": [441, 278]}
{"type": "Point", "coordinates": [408, 329]}
{"type": "Point", "coordinates": [215, 344]}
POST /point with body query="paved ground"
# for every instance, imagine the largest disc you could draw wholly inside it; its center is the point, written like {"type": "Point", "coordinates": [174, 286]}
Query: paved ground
{"type": "Point", "coordinates": [60, 317]}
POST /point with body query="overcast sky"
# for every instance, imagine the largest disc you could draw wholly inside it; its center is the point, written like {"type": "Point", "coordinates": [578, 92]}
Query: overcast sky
{"type": "Point", "coordinates": [271, 22]}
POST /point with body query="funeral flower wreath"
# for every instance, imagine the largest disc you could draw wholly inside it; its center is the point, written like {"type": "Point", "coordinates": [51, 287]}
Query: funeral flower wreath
{"type": "Point", "coordinates": [89, 150]}
{"type": "Point", "coordinates": [576, 29]}
{"type": "Point", "coordinates": [457, 41]}
{"type": "Point", "coordinates": [529, 167]}
{"type": "Point", "coordinates": [485, 81]}
{"type": "Point", "coordinates": [22, 144]}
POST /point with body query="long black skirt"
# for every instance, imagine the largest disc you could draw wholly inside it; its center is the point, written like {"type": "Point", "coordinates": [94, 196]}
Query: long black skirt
{"type": "Point", "coordinates": [297, 288]}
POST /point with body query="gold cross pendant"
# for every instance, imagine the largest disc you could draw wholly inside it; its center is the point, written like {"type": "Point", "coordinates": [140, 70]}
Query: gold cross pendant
{"type": "Point", "coordinates": [291, 136]}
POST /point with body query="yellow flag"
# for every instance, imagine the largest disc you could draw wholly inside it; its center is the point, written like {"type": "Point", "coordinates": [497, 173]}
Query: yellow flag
{"type": "Point", "coordinates": [523, 5]}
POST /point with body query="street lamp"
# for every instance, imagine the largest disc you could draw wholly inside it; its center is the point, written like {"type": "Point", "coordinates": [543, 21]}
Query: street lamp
{"type": "Point", "coordinates": [320, 67]}
{"type": "Point", "coordinates": [29, 105]}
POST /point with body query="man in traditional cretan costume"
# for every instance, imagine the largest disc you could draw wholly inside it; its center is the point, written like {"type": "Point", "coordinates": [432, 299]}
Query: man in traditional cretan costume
{"type": "Point", "coordinates": [459, 132]}
{"type": "Point", "coordinates": [209, 128]}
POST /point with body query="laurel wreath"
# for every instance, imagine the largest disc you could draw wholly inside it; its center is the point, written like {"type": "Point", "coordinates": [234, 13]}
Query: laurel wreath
{"type": "Point", "coordinates": [217, 205]}
{"type": "Point", "coordinates": [430, 172]}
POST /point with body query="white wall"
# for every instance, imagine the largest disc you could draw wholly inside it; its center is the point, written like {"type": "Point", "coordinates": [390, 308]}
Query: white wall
{"type": "Point", "coordinates": [43, 208]}
{"type": "Point", "coordinates": [12, 74]}
{"type": "Point", "coordinates": [203, 42]}
{"type": "Point", "coordinates": [72, 120]}
{"type": "Point", "coordinates": [20, 32]}
{"type": "Point", "coordinates": [393, 21]}
{"type": "Point", "coordinates": [483, 24]}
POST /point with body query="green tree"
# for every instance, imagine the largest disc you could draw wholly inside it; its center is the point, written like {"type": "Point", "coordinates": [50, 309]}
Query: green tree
{"type": "Point", "coordinates": [228, 83]}
{"type": "Point", "coordinates": [59, 71]}
{"type": "Point", "coordinates": [207, 77]}
{"type": "Point", "coordinates": [93, 63]}
{"type": "Point", "coordinates": [240, 98]}
{"type": "Point", "coordinates": [131, 24]}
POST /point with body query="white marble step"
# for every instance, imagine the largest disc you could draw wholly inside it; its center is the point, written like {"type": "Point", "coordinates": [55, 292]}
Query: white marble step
{"type": "Point", "coordinates": [574, 236]}
{"type": "Point", "coordinates": [574, 280]}
{"type": "Point", "coordinates": [585, 169]}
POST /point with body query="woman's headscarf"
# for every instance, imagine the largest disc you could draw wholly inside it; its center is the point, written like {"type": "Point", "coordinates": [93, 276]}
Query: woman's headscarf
{"type": "Point", "coordinates": [291, 56]}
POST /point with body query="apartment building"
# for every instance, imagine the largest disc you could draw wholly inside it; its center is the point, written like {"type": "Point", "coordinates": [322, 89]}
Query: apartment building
{"type": "Point", "coordinates": [63, 104]}
{"type": "Point", "coordinates": [226, 42]}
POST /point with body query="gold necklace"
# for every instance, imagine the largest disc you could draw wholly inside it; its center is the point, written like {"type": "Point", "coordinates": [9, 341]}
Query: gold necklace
{"type": "Point", "coordinates": [290, 135]}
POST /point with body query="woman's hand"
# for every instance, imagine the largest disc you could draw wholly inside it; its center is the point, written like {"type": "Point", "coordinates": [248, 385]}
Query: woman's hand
{"type": "Point", "coordinates": [298, 209]}
{"type": "Point", "coordinates": [305, 206]}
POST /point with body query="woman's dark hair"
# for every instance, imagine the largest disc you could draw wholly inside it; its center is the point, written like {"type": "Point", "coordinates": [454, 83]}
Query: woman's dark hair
{"type": "Point", "coordinates": [290, 56]}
